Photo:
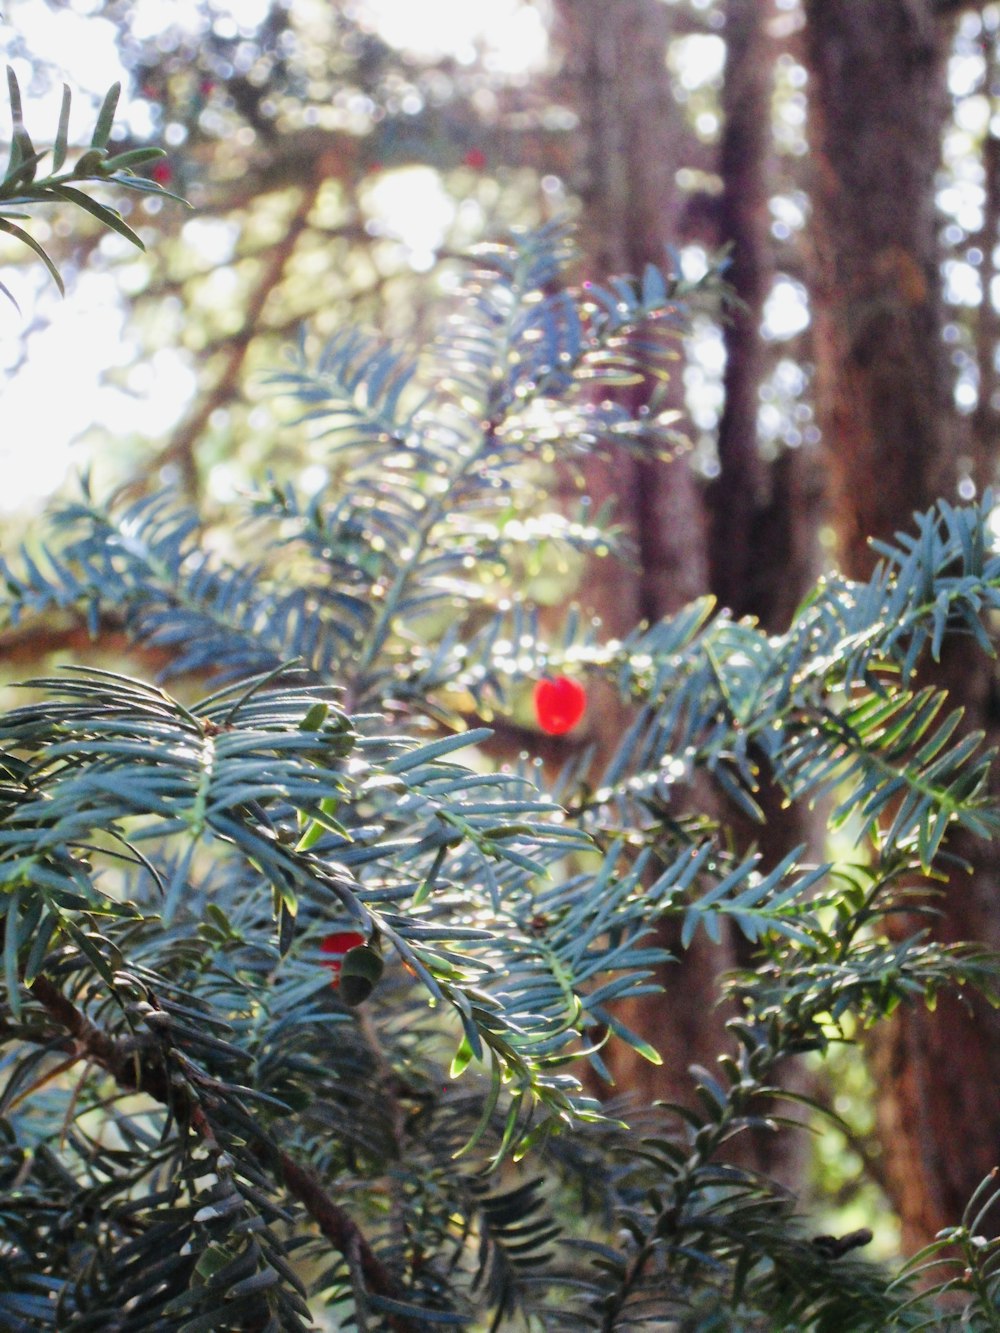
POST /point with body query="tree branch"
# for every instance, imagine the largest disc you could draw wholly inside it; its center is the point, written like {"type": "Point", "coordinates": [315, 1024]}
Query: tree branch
{"type": "Point", "coordinates": [179, 450]}
{"type": "Point", "coordinates": [137, 1066]}
{"type": "Point", "coordinates": [34, 639]}
{"type": "Point", "coordinates": [339, 1229]}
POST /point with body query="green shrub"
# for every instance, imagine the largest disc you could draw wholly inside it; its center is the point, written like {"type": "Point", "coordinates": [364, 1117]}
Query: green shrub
{"type": "Point", "coordinates": [297, 989]}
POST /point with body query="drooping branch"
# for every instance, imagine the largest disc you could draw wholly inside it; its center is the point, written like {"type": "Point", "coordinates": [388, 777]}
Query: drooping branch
{"type": "Point", "coordinates": [131, 1063]}
{"type": "Point", "coordinates": [341, 1231]}
{"type": "Point", "coordinates": [138, 1065]}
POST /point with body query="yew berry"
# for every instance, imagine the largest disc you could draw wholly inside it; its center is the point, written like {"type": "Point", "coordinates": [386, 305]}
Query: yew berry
{"type": "Point", "coordinates": [337, 944]}
{"type": "Point", "coordinates": [162, 173]}
{"type": "Point", "coordinates": [359, 974]}
{"type": "Point", "coordinates": [560, 703]}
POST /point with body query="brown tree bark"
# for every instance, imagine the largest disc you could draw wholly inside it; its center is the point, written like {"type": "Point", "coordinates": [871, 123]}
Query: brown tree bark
{"type": "Point", "coordinates": [739, 494]}
{"type": "Point", "coordinates": [634, 141]}
{"type": "Point", "coordinates": [985, 420]}
{"type": "Point", "coordinates": [877, 107]}
{"type": "Point", "coordinates": [631, 139]}
{"type": "Point", "coordinates": [763, 515]}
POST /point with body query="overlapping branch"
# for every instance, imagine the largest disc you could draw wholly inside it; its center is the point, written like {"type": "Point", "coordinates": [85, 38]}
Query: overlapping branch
{"type": "Point", "coordinates": [138, 1065]}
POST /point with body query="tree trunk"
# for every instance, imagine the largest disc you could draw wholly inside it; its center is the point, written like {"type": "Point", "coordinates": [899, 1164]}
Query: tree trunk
{"type": "Point", "coordinates": [631, 138]}
{"type": "Point", "coordinates": [635, 142]}
{"type": "Point", "coordinates": [739, 494]}
{"type": "Point", "coordinates": [985, 420]}
{"type": "Point", "coordinates": [877, 107]}
{"type": "Point", "coordinates": [764, 515]}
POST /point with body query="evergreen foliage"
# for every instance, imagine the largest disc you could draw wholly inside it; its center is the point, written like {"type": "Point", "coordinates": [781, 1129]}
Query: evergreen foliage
{"type": "Point", "coordinates": [199, 1130]}
{"type": "Point", "coordinates": [22, 189]}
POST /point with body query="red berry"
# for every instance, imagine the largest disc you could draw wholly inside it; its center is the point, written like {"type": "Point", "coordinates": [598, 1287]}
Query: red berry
{"type": "Point", "coordinates": [162, 173]}
{"type": "Point", "coordinates": [560, 703]}
{"type": "Point", "coordinates": [337, 944]}
{"type": "Point", "coordinates": [475, 158]}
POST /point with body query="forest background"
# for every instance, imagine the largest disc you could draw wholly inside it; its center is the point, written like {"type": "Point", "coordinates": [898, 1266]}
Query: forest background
{"type": "Point", "coordinates": [339, 157]}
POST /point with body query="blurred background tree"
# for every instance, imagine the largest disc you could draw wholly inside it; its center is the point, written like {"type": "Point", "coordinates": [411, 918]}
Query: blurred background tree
{"type": "Point", "coordinates": [339, 155]}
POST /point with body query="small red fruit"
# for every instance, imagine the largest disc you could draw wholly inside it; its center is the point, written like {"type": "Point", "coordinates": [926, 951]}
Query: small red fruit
{"type": "Point", "coordinates": [337, 944]}
{"type": "Point", "coordinates": [162, 173]}
{"type": "Point", "coordinates": [475, 158]}
{"type": "Point", "coordinates": [560, 703]}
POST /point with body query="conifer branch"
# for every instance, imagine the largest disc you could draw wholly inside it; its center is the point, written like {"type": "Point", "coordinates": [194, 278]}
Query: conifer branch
{"type": "Point", "coordinates": [135, 1066]}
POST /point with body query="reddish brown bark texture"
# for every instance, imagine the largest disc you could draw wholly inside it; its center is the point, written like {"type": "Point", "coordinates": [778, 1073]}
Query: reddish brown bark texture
{"type": "Point", "coordinates": [632, 139]}
{"type": "Point", "coordinates": [877, 104]}
{"type": "Point", "coordinates": [877, 101]}
{"type": "Point", "coordinates": [985, 420]}
{"type": "Point", "coordinates": [762, 515]}
{"type": "Point", "coordinates": [739, 496]}
{"type": "Point", "coordinates": [635, 142]}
